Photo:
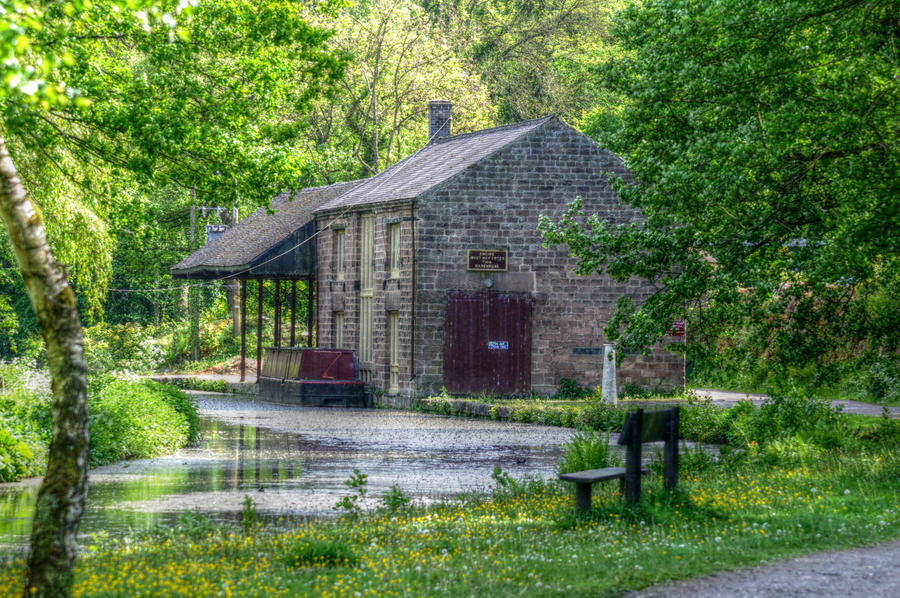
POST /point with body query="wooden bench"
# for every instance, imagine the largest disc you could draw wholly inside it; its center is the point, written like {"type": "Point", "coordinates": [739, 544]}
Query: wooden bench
{"type": "Point", "coordinates": [640, 427]}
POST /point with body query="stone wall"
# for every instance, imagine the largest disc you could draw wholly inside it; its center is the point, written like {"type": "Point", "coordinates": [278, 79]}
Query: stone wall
{"type": "Point", "coordinates": [389, 294]}
{"type": "Point", "coordinates": [495, 205]}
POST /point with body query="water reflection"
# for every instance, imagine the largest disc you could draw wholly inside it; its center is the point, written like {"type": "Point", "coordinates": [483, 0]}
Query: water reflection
{"type": "Point", "coordinates": [143, 494]}
{"type": "Point", "coordinates": [293, 473]}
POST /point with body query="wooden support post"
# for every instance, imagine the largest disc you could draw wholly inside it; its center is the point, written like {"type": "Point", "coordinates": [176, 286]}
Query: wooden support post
{"type": "Point", "coordinates": [670, 452]}
{"type": "Point", "coordinates": [243, 308]}
{"type": "Point", "coordinates": [277, 324]}
{"type": "Point", "coordinates": [582, 497]}
{"type": "Point", "coordinates": [309, 312]}
{"type": "Point", "coordinates": [633, 459]}
{"type": "Point", "coordinates": [259, 308]}
{"type": "Point", "coordinates": [293, 312]}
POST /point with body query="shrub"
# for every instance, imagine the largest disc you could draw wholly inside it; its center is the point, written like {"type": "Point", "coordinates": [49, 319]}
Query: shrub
{"type": "Point", "coordinates": [200, 384]}
{"type": "Point", "coordinates": [810, 419]}
{"type": "Point", "coordinates": [181, 403]}
{"type": "Point", "coordinates": [135, 420]}
{"type": "Point", "coordinates": [570, 389]}
{"type": "Point", "coordinates": [350, 504]}
{"type": "Point", "coordinates": [701, 421]}
{"type": "Point", "coordinates": [123, 347]}
{"type": "Point", "coordinates": [636, 391]}
{"type": "Point", "coordinates": [395, 499]}
{"type": "Point", "coordinates": [23, 453]}
{"type": "Point", "coordinates": [882, 381]}
{"type": "Point", "coordinates": [506, 486]}
{"type": "Point", "coordinates": [128, 419]}
{"type": "Point", "coordinates": [587, 449]}
{"type": "Point", "coordinates": [249, 517]}
{"type": "Point", "coordinates": [598, 415]}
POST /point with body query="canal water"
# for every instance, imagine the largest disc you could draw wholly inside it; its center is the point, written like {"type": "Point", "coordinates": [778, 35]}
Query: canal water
{"type": "Point", "coordinates": [292, 461]}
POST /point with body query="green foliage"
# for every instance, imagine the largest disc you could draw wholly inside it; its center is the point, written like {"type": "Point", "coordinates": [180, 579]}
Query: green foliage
{"type": "Point", "coordinates": [400, 62]}
{"type": "Point", "coordinates": [636, 391]}
{"type": "Point", "coordinates": [135, 420]}
{"type": "Point", "coordinates": [587, 449]}
{"type": "Point", "coordinates": [181, 403]}
{"type": "Point", "coordinates": [570, 389]}
{"type": "Point", "coordinates": [702, 421]}
{"type": "Point", "coordinates": [249, 517]}
{"type": "Point", "coordinates": [536, 58]}
{"type": "Point", "coordinates": [319, 553]}
{"type": "Point", "coordinates": [794, 415]}
{"type": "Point", "coordinates": [882, 380]}
{"type": "Point", "coordinates": [132, 347]}
{"type": "Point", "coordinates": [506, 487]}
{"type": "Point", "coordinates": [719, 518]}
{"type": "Point", "coordinates": [598, 415]}
{"type": "Point", "coordinates": [763, 141]}
{"type": "Point", "coordinates": [120, 115]}
{"type": "Point", "coordinates": [9, 325]}
{"type": "Point", "coordinates": [395, 499]}
{"type": "Point", "coordinates": [191, 524]}
{"type": "Point", "coordinates": [125, 347]}
{"type": "Point", "coordinates": [128, 419]}
{"type": "Point", "coordinates": [201, 384]}
{"type": "Point", "coordinates": [350, 505]}
{"type": "Point", "coordinates": [23, 453]}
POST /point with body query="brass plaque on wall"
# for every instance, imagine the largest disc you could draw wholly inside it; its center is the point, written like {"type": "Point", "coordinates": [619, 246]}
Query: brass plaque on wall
{"type": "Point", "coordinates": [487, 260]}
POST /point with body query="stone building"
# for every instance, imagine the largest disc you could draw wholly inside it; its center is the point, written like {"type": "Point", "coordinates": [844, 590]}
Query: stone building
{"type": "Point", "coordinates": [433, 270]}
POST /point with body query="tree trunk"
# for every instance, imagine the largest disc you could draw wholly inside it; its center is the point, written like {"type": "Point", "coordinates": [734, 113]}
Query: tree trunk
{"type": "Point", "coordinates": [61, 497]}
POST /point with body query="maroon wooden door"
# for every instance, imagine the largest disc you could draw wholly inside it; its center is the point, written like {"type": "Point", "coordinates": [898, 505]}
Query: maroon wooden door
{"type": "Point", "coordinates": [487, 345]}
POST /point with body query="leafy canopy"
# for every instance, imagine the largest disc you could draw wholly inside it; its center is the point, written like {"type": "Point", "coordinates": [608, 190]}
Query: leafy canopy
{"type": "Point", "coordinates": [762, 137]}
{"type": "Point", "coordinates": [120, 113]}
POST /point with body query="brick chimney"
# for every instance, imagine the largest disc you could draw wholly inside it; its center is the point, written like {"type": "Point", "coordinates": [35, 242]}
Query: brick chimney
{"type": "Point", "coordinates": [439, 119]}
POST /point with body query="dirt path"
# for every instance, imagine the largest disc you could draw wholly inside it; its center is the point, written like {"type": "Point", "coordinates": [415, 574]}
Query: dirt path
{"type": "Point", "coordinates": [871, 572]}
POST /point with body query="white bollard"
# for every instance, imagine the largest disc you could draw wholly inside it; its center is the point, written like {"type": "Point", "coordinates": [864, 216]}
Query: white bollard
{"type": "Point", "coordinates": [609, 389]}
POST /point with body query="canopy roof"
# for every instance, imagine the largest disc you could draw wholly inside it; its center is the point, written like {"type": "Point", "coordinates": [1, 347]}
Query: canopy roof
{"type": "Point", "coordinates": [265, 244]}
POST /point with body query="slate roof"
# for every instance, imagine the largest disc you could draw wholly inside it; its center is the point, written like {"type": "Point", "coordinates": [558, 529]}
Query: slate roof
{"type": "Point", "coordinates": [258, 232]}
{"type": "Point", "coordinates": [432, 165]}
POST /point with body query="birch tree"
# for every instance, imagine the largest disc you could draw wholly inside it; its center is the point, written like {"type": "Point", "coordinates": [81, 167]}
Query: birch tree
{"type": "Point", "coordinates": [159, 93]}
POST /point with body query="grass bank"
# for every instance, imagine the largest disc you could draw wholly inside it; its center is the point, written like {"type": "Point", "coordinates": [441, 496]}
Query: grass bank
{"type": "Point", "coordinates": [523, 538]}
{"type": "Point", "coordinates": [810, 419]}
{"type": "Point", "coordinates": [129, 419]}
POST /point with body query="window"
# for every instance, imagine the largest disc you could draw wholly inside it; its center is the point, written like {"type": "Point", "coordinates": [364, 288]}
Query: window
{"type": "Point", "coordinates": [394, 351]}
{"type": "Point", "coordinates": [339, 244]}
{"type": "Point", "coordinates": [338, 330]}
{"type": "Point", "coordinates": [366, 285]}
{"type": "Point", "coordinates": [395, 250]}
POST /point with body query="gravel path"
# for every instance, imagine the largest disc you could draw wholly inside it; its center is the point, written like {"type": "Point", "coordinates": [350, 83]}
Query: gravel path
{"type": "Point", "coordinates": [871, 572]}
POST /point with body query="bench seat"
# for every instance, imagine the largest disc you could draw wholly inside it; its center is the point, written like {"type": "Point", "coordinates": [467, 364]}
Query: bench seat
{"type": "Point", "coordinates": [589, 476]}
{"type": "Point", "coordinates": [585, 479]}
{"type": "Point", "coordinates": [639, 428]}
